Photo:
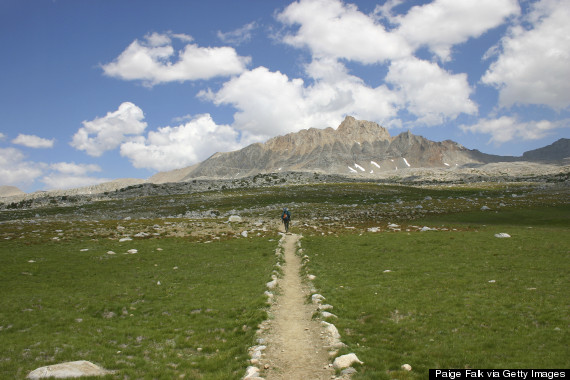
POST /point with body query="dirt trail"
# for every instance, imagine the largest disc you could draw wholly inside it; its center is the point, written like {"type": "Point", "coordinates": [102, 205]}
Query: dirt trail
{"type": "Point", "coordinates": [294, 341]}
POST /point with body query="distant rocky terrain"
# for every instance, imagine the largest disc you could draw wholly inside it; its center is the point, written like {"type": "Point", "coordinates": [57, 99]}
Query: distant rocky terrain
{"type": "Point", "coordinates": [356, 151]}
{"type": "Point", "coordinates": [355, 147]}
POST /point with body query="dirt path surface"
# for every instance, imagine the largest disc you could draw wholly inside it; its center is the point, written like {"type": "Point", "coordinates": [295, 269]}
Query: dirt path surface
{"type": "Point", "coordinates": [294, 342]}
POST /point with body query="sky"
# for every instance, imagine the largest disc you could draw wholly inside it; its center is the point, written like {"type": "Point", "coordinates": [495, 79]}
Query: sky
{"type": "Point", "coordinates": [95, 90]}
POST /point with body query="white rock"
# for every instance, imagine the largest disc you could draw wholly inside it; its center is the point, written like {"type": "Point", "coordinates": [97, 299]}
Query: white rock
{"type": "Point", "coordinates": [311, 277]}
{"type": "Point", "coordinates": [346, 361]}
{"type": "Point", "coordinates": [158, 283]}
{"type": "Point", "coordinates": [406, 367]}
{"type": "Point", "coordinates": [111, 253]}
{"type": "Point", "coordinates": [485, 208]}
{"type": "Point", "coordinates": [251, 372]}
{"type": "Point", "coordinates": [272, 284]}
{"type": "Point", "coordinates": [244, 234]}
{"type": "Point", "coordinates": [125, 239]}
{"type": "Point", "coordinates": [317, 298]}
{"type": "Point", "coordinates": [374, 229]}
{"type": "Point", "coordinates": [69, 370]}
{"type": "Point", "coordinates": [235, 218]}
{"type": "Point", "coordinates": [331, 330]}
{"type": "Point", "coordinates": [132, 251]}
{"type": "Point", "coordinates": [326, 314]}
{"type": "Point", "coordinates": [502, 235]}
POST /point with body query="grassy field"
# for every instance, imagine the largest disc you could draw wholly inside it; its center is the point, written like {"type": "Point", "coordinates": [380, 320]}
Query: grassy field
{"type": "Point", "coordinates": [174, 309]}
{"type": "Point", "coordinates": [455, 298]}
{"type": "Point", "coordinates": [187, 303]}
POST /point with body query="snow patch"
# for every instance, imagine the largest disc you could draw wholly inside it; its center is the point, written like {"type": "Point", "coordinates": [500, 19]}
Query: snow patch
{"type": "Point", "coordinates": [406, 161]}
{"type": "Point", "coordinates": [359, 167]}
{"type": "Point", "coordinates": [352, 170]}
{"type": "Point", "coordinates": [375, 164]}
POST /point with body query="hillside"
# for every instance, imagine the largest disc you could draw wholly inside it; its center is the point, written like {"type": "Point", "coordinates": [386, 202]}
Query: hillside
{"type": "Point", "coordinates": [356, 146]}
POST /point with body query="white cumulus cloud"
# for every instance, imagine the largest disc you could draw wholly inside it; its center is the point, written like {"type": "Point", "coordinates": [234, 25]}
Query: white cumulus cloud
{"type": "Point", "coordinates": [69, 175]}
{"type": "Point", "coordinates": [177, 147]}
{"type": "Point", "coordinates": [14, 170]}
{"type": "Point", "coordinates": [108, 132]}
{"type": "Point", "coordinates": [155, 61]}
{"type": "Point", "coordinates": [270, 103]}
{"type": "Point", "coordinates": [330, 28]}
{"type": "Point", "coordinates": [534, 62]}
{"type": "Point", "coordinates": [430, 92]}
{"type": "Point", "coordinates": [442, 24]}
{"type": "Point", "coordinates": [32, 141]}
{"type": "Point", "coordinates": [508, 128]}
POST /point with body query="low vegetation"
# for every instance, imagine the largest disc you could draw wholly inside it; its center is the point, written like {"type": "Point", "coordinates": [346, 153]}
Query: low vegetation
{"type": "Point", "coordinates": [172, 309]}
{"type": "Point", "coordinates": [187, 303]}
{"type": "Point", "coordinates": [457, 297]}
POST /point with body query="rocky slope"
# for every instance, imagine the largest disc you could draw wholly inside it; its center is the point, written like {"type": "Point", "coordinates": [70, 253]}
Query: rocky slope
{"type": "Point", "coordinates": [356, 146]}
{"type": "Point", "coordinates": [556, 151]}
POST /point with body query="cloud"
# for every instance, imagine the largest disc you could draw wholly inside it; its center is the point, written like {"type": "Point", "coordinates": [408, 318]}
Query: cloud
{"type": "Point", "coordinates": [238, 36]}
{"type": "Point", "coordinates": [330, 28]}
{"type": "Point", "coordinates": [430, 92]}
{"type": "Point", "coordinates": [534, 64]}
{"type": "Point", "coordinates": [14, 170]}
{"type": "Point", "coordinates": [68, 175]}
{"type": "Point", "coordinates": [444, 23]}
{"type": "Point", "coordinates": [177, 147]}
{"type": "Point", "coordinates": [270, 103]}
{"type": "Point", "coordinates": [108, 132]}
{"type": "Point", "coordinates": [153, 61]}
{"type": "Point", "coordinates": [32, 141]}
{"type": "Point", "coordinates": [508, 128]}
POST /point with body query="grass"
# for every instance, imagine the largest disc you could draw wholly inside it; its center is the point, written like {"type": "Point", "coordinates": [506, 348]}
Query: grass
{"type": "Point", "coordinates": [452, 299]}
{"type": "Point", "coordinates": [62, 303]}
{"type": "Point", "coordinates": [64, 298]}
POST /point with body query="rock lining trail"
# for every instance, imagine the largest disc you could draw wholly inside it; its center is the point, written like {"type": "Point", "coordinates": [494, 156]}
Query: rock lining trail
{"type": "Point", "coordinates": [295, 343]}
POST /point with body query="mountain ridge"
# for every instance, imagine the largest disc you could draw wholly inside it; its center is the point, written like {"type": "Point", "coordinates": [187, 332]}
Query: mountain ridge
{"type": "Point", "coordinates": [356, 146]}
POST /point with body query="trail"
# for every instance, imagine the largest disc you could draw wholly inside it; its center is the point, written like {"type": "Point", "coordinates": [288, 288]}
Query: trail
{"type": "Point", "coordinates": [294, 342]}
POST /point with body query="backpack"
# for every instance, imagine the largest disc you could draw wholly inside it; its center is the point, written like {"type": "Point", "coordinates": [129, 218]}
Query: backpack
{"type": "Point", "coordinates": [286, 215]}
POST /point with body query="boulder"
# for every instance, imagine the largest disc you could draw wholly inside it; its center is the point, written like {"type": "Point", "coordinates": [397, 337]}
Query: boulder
{"type": "Point", "coordinates": [346, 361]}
{"type": "Point", "coordinates": [69, 370]}
{"type": "Point", "coordinates": [235, 218]}
{"type": "Point", "coordinates": [502, 235]}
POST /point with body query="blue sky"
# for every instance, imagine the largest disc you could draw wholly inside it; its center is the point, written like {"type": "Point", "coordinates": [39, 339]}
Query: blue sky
{"type": "Point", "coordinates": [94, 90]}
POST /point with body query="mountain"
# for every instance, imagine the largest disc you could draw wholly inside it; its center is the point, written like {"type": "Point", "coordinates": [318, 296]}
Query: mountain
{"type": "Point", "coordinates": [9, 191]}
{"type": "Point", "coordinates": [356, 146]}
{"type": "Point", "coordinates": [556, 151]}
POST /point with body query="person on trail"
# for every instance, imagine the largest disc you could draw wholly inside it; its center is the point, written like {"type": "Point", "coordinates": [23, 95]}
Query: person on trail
{"type": "Point", "coordinates": [285, 218]}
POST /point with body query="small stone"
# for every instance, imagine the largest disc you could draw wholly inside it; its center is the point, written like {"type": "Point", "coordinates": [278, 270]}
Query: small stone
{"type": "Point", "coordinates": [346, 361]}
{"type": "Point", "coordinates": [406, 367]}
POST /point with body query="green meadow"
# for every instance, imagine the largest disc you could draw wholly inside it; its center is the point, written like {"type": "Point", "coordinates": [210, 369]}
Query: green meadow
{"type": "Point", "coordinates": [174, 309]}
{"type": "Point", "coordinates": [457, 297]}
{"type": "Point", "coordinates": [188, 302]}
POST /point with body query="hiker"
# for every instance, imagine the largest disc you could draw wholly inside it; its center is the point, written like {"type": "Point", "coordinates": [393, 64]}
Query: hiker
{"type": "Point", "coordinates": [285, 218]}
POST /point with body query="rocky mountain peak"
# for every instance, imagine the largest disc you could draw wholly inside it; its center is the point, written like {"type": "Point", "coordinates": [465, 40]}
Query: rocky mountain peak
{"type": "Point", "coordinates": [361, 130]}
{"type": "Point", "coordinates": [355, 147]}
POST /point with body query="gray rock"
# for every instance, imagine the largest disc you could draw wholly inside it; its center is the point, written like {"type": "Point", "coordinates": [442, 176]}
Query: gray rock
{"type": "Point", "coordinates": [68, 370]}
